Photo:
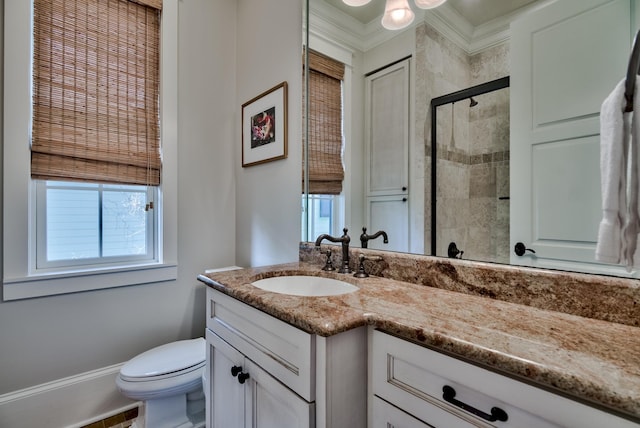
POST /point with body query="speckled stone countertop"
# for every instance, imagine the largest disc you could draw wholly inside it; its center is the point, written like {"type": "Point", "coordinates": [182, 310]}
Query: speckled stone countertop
{"type": "Point", "coordinates": [590, 359]}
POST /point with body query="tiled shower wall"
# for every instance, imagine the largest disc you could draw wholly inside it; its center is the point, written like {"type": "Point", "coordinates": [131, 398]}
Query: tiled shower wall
{"type": "Point", "coordinates": [473, 146]}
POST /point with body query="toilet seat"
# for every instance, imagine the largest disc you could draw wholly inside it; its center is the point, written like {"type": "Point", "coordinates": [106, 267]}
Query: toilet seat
{"type": "Point", "coordinates": [171, 359]}
{"type": "Point", "coordinates": [171, 369]}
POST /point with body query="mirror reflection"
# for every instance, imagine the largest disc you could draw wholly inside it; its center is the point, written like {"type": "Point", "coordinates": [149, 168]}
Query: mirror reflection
{"type": "Point", "coordinates": [470, 162]}
{"type": "Point", "coordinates": [461, 195]}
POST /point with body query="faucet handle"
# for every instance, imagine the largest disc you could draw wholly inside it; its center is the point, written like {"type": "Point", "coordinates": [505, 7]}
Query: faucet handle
{"type": "Point", "coordinates": [362, 273]}
{"type": "Point", "coordinates": [328, 265]}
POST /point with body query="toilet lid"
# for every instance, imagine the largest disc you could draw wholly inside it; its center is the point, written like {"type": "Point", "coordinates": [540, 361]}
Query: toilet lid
{"type": "Point", "coordinates": [164, 359]}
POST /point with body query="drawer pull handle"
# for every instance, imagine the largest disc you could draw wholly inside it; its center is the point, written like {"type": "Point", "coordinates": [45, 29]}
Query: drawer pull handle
{"type": "Point", "coordinates": [242, 377]}
{"type": "Point", "coordinates": [497, 414]}
{"type": "Point", "coordinates": [235, 370]}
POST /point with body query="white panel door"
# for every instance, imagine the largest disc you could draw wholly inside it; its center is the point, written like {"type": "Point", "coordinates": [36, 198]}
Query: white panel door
{"type": "Point", "coordinates": [270, 404]}
{"type": "Point", "coordinates": [225, 394]}
{"type": "Point", "coordinates": [391, 214]}
{"type": "Point", "coordinates": [565, 59]}
{"type": "Point", "coordinates": [387, 130]}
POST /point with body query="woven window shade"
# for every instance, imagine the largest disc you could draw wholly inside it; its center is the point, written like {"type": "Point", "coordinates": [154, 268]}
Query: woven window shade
{"type": "Point", "coordinates": [325, 169]}
{"type": "Point", "coordinates": [95, 91]}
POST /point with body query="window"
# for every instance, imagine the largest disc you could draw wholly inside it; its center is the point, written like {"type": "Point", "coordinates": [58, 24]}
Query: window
{"type": "Point", "coordinates": [76, 220]}
{"type": "Point", "coordinates": [83, 224]}
{"type": "Point", "coordinates": [325, 216]}
{"type": "Point", "coordinates": [95, 121]}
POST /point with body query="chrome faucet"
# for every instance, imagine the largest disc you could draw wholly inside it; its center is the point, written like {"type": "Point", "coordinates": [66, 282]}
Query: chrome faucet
{"type": "Point", "coordinates": [344, 239]}
{"type": "Point", "coordinates": [364, 238]}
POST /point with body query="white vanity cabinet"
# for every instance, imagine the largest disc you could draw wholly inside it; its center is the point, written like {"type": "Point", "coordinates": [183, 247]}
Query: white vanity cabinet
{"type": "Point", "coordinates": [414, 387]}
{"type": "Point", "coordinates": [241, 393]}
{"type": "Point", "coordinates": [264, 372]}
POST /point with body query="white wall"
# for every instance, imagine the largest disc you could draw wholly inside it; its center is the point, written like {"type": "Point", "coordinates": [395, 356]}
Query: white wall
{"type": "Point", "coordinates": [46, 339]}
{"type": "Point", "coordinates": [269, 47]}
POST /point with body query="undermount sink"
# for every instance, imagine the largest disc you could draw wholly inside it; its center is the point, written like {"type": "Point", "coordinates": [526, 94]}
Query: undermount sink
{"type": "Point", "coordinates": [305, 285]}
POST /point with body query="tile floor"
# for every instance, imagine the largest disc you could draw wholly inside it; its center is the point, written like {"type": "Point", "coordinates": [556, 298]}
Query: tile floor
{"type": "Point", "coordinates": [121, 420]}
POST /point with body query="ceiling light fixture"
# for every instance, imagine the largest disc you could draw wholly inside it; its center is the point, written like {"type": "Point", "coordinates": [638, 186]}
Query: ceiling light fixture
{"type": "Point", "coordinates": [429, 4]}
{"type": "Point", "coordinates": [356, 2]}
{"type": "Point", "coordinates": [397, 13]}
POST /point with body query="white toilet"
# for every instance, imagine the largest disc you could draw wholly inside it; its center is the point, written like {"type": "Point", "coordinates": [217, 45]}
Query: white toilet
{"type": "Point", "coordinates": [168, 379]}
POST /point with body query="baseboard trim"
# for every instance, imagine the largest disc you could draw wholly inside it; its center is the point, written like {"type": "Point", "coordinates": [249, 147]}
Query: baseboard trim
{"type": "Point", "coordinates": [73, 401]}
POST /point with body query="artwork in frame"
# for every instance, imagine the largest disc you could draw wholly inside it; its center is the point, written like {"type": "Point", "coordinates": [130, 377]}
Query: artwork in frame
{"type": "Point", "coordinates": [264, 127]}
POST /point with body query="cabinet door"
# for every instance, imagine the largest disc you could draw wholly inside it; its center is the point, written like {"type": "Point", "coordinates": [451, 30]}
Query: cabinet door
{"type": "Point", "coordinates": [225, 394]}
{"type": "Point", "coordinates": [565, 59]}
{"type": "Point", "coordinates": [387, 130]}
{"type": "Point", "coordinates": [272, 405]}
{"type": "Point", "coordinates": [391, 214]}
{"type": "Point", "coordinates": [384, 415]}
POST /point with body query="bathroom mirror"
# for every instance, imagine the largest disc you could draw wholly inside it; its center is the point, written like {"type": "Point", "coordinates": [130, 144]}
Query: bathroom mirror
{"type": "Point", "coordinates": [457, 47]}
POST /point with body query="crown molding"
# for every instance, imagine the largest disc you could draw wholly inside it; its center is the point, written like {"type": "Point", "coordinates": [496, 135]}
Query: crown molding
{"type": "Point", "coordinates": [329, 23]}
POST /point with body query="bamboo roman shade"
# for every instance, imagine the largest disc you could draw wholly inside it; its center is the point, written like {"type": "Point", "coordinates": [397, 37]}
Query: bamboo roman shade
{"type": "Point", "coordinates": [325, 125]}
{"type": "Point", "coordinates": [95, 91]}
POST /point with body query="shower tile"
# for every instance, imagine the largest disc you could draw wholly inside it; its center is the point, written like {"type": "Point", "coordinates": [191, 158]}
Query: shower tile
{"type": "Point", "coordinates": [478, 243]}
{"type": "Point", "coordinates": [502, 179]}
{"type": "Point", "coordinates": [482, 212]}
{"type": "Point", "coordinates": [487, 110]}
{"type": "Point", "coordinates": [452, 180]}
{"type": "Point", "coordinates": [481, 136]}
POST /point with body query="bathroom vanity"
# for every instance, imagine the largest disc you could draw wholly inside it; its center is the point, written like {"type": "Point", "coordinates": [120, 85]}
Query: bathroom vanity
{"type": "Point", "coordinates": [265, 372]}
{"type": "Point", "coordinates": [403, 354]}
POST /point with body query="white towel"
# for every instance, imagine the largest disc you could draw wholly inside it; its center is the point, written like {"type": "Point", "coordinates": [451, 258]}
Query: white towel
{"type": "Point", "coordinates": [614, 143]}
{"type": "Point", "coordinates": [630, 228]}
{"type": "Point", "coordinates": [632, 252]}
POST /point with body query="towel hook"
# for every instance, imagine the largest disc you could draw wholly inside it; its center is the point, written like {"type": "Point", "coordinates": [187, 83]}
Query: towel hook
{"type": "Point", "coordinates": [632, 71]}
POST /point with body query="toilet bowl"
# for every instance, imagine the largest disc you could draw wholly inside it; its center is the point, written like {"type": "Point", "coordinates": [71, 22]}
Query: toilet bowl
{"type": "Point", "coordinates": [168, 379]}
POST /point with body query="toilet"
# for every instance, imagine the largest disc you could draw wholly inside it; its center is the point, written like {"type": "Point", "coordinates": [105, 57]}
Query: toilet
{"type": "Point", "coordinates": [168, 379]}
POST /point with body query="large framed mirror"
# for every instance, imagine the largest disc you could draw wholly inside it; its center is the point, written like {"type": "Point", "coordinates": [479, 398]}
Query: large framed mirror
{"type": "Point", "coordinates": [415, 169]}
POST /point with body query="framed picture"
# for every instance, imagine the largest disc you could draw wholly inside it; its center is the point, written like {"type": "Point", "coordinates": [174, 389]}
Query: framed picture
{"type": "Point", "coordinates": [264, 127]}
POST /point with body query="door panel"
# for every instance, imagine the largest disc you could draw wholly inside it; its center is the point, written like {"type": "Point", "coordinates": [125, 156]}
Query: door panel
{"type": "Point", "coordinates": [565, 59]}
{"type": "Point", "coordinates": [387, 130]}
{"type": "Point", "coordinates": [391, 214]}
{"type": "Point", "coordinates": [225, 400]}
{"type": "Point", "coordinates": [272, 405]}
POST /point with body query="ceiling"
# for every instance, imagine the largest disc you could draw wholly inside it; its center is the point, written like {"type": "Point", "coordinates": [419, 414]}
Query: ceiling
{"type": "Point", "coordinates": [476, 12]}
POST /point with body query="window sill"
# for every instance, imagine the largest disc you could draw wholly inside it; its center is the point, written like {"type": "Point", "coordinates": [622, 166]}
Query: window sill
{"type": "Point", "coordinates": [51, 284]}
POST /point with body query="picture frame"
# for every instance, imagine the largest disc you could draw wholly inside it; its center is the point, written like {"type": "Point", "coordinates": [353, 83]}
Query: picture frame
{"type": "Point", "coordinates": [264, 127]}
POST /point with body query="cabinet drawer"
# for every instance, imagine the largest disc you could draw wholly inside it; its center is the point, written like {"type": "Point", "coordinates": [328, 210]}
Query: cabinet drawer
{"type": "Point", "coordinates": [384, 415]}
{"type": "Point", "coordinates": [413, 377]}
{"type": "Point", "coordinates": [281, 349]}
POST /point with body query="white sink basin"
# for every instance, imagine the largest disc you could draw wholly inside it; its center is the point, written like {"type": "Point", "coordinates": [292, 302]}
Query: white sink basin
{"type": "Point", "coordinates": [303, 285]}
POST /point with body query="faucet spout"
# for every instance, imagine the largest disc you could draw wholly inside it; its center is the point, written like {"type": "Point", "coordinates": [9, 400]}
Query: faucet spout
{"type": "Point", "coordinates": [344, 240]}
{"type": "Point", "coordinates": [364, 238]}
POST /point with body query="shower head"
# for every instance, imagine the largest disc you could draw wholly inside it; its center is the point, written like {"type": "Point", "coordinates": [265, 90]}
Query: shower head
{"type": "Point", "coordinates": [473, 102]}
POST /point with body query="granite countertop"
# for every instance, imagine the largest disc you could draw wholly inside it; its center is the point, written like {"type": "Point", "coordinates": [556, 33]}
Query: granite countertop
{"type": "Point", "coordinates": [590, 359]}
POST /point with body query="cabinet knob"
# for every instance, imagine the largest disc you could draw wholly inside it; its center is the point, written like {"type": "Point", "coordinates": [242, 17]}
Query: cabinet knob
{"type": "Point", "coordinates": [235, 370]}
{"type": "Point", "coordinates": [242, 377]}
